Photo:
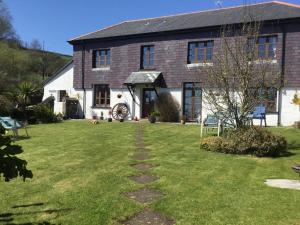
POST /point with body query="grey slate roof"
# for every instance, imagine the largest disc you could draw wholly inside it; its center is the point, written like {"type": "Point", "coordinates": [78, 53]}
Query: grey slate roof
{"type": "Point", "coordinates": [142, 77]}
{"type": "Point", "coordinates": [262, 12]}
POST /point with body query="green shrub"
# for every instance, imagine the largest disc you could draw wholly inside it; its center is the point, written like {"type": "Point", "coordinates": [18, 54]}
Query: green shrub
{"type": "Point", "coordinates": [254, 140]}
{"type": "Point", "coordinates": [6, 106]}
{"type": "Point", "coordinates": [45, 114]}
{"type": "Point", "coordinates": [168, 107]}
{"type": "Point", "coordinates": [2, 129]}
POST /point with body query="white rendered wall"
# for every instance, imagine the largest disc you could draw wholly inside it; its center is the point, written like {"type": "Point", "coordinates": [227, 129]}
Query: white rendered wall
{"type": "Point", "coordinates": [63, 81]}
{"type": "Point", "coordinates": [290, 113]}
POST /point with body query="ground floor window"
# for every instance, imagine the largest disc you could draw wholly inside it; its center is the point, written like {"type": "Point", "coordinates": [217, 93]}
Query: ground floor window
{"type": "Point", "coordinates": [268, 98]}
{"type": "Point", "coordinates": [101, 95]}
{"type": "Point", "coordinates": [192, 99]}
{"type": "Point", "coordinates": [62, 94]}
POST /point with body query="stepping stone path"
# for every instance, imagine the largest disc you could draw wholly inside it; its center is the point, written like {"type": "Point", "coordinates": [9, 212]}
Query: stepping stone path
{"type": "Point", "coordinates": [145, 195]}
{"type": "Point", "coordinates": [142, 166]}
{"type": "Point", "coordinates": [147, 216]}
{"type": "Point", "coordinates": [144, 178]}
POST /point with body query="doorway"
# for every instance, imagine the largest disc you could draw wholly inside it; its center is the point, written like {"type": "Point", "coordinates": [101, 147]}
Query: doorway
{"type": "Point", "coordinates": [192, 101]}
{"type": "Point", "coordinates": [149, 96]}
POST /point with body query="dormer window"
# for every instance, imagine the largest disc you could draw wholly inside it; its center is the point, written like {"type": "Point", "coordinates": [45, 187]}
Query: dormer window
{"type": "Point", "coordinates": [101, 58]}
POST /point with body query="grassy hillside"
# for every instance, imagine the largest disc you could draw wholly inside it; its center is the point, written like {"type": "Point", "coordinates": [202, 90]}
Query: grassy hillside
{"type": "Point", "coordinates": [19, 64]}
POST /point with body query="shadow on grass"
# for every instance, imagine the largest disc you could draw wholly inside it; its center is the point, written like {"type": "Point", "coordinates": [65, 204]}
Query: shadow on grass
{"type": "Point", "coordinates": [8, 217]}
{"type": "Point", "coordinates": [28, 205]}
{"type": "Point", "coordinates": [294, 145]}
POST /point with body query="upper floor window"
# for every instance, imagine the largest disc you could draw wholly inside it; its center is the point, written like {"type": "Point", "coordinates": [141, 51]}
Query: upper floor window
{"type": "Point", "coordinates": [200, 52]}
{"type": "Point", "coordinates": [101, 95]}
{"type": "Point", "coordinates": [101, 58]}
{"type": "Point", "coordinates": [147, 53]}
{"type": "Point", "coordinates": [264, 47]}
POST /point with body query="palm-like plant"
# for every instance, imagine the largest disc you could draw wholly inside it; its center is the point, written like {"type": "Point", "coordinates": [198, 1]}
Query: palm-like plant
{"type": "Point", "coordinates": [24, 91]}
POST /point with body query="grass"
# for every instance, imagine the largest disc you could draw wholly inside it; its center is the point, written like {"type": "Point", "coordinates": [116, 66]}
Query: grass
{"type": "Point", "coordinates": [80, 172]}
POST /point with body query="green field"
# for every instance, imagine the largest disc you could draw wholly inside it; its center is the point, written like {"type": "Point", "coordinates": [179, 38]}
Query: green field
{"type": "Point", "coordinates": [80, 172]}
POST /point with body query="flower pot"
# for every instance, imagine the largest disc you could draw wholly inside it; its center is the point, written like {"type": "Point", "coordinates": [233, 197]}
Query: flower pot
{"type": "Point", "coordinates": [109, 119]}
{"type": "Point", "coordinates": [152, 119]}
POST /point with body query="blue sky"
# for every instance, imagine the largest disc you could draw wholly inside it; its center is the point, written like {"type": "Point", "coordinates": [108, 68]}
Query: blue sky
{"type": "Point", "coordinates": [56, 21]}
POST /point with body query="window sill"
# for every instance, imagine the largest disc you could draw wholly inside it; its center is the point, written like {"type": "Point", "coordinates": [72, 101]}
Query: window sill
{"type": "Point", "coordinates": [192, 65]}
{"type": "Point", "coordinates": [266, 61]}
{"type": "Point", "coordinates": [100, 107]}
{"type": "Point", "coordinates": [101, 69]}
{"type": "Point", "coordinates": [147, 69]}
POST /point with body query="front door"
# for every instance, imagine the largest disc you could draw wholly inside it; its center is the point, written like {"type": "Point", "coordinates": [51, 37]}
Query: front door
{"type": "Point", "coordinates": [149, 96]}
{"type": "Point", "coordinates": [192, 98]}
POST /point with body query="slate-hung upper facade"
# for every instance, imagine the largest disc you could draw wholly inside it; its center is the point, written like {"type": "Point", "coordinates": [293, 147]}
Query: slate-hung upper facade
{"type": "Point", "coordinates": [179, 47]}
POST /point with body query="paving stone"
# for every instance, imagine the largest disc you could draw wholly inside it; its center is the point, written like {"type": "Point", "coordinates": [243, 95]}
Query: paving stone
{"type": "Point", "coordinates": [144, 178]}
{"type": "Point", "coordinates": [142, 166]}
{"type": "Point", "coordinates": [145, 195]}
{"type": "Point", "coordinates": [141, 155]}
{"type": "Point", "coordinates": [148, 217]}
{"type": "Point", "coordinates": [284, 183]}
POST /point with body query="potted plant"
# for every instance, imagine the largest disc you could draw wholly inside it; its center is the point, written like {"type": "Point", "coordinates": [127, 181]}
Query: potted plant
{"type": "Point", "coordinates": [182, 119]}
{"type": "Point", "coordinates": [101, 115]}
{"type": "Point", "coordinates": [296, 101]}
{"type": "Point", "coordinates": [109, 119]}
{"type": "Point", "coordinates": [152, 117]}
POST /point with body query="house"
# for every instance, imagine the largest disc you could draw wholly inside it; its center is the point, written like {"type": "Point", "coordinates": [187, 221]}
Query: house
{"type": "Point", "coordinates": [134, 61]}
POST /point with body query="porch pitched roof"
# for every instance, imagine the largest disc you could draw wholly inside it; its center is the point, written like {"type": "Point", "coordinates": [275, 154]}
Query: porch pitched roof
{"type": "Point", "coordinates": [143, 77]}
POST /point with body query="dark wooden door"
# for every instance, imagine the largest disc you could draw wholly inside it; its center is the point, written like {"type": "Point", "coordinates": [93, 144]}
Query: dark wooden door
{"type": "Point", "coordinates": [149, 96]}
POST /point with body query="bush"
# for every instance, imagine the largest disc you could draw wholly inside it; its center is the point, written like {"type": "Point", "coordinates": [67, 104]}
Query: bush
{"type": "Point", "coordinates": [254, 140]}
{"type": "Point", "coordinates": [45, 114]}
{"type": "Point", "coordinates": [168, 107]}
{"type": "Point", "coordinates": [6, 106]}
{"type": "Point", "coordinates": [2, 129]}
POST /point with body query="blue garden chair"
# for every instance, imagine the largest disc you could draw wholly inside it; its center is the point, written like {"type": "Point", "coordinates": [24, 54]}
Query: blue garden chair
{"type": "Point", "coordinates": [11, 124]}
{"type": "Point", "coordinates": [259, 113]}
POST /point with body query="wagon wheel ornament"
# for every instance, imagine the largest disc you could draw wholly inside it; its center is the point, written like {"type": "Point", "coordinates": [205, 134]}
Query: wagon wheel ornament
{"type": "Point", "coordinates": [120, 111]}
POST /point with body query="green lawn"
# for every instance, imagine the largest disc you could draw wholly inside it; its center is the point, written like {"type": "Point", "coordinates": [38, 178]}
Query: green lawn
{"type": "Point", "coordinates": [80, 171]}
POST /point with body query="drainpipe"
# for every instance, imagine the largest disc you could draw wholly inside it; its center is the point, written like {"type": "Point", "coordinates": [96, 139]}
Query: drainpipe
{"type": "Point", "coordinates": [82, 80]}
{"type": "Point", "coordinates": [283, 55]}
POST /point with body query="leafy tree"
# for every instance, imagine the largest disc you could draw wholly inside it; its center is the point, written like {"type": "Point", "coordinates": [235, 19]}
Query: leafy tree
{"type": "Point", "coordinates": [10, 165]}
{"type": "Point", "coordinates": [6, 28]}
